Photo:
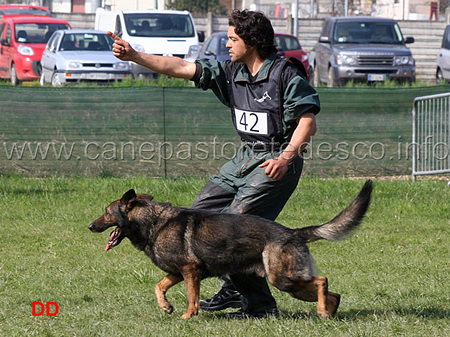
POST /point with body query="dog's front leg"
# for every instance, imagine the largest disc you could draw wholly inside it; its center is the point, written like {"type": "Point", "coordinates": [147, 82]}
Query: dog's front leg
{"type": "Point", "coordinates": [192, 280]}
{"type": "Point", "coordinates": [161, 288]}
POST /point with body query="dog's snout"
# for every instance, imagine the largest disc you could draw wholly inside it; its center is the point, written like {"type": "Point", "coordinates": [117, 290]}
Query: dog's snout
{"type": "Point", "coordinates": [92, 228]}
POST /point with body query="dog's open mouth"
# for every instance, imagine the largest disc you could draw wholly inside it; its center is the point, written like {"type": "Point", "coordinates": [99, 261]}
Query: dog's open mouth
{"type": "Point", "coordinates": [115, 238]}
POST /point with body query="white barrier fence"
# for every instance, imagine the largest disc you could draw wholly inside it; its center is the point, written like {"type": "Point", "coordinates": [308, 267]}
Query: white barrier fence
{"type": "Point", "coordinates": [431, 135]}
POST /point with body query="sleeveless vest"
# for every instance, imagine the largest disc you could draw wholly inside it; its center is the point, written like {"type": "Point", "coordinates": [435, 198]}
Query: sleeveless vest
{"type": "Point", "coordinates": [257, 108]}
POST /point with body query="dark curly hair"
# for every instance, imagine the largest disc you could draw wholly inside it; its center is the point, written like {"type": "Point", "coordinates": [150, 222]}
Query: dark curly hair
{"type": "Point", "coordinates": [255, 29]}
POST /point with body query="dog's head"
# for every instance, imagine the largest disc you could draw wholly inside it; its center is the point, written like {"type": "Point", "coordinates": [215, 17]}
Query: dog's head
{"type": "Point", "coordinates": [116, 214]}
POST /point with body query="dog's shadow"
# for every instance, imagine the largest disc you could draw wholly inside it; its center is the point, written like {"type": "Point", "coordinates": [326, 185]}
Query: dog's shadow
{"type": "Point", "coordinates": [355, 315]}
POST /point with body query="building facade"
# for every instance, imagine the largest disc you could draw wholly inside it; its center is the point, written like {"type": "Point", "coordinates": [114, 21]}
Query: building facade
{"type": "Point", "coordinates": [397, 9]}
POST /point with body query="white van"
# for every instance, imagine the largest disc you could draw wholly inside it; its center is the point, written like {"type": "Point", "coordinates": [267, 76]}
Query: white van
{"type": "Point", "coordinates": [158, 32]}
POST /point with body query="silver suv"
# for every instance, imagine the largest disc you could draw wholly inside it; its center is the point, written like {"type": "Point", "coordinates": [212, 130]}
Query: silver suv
{"type": "Point", "coordinates": [361, 49]}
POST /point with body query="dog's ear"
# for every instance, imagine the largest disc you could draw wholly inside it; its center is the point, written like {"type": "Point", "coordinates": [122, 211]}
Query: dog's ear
{"type": "Point", "coordinates": [128, 198]}
{"type": "Point", "coordinates": [145, 196]}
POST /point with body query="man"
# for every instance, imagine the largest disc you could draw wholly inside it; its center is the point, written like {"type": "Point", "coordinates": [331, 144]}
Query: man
{"type": "Point", "coordinates": [273, 110]}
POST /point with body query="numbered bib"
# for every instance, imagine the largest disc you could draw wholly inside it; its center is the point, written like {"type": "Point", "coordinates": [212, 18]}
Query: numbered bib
{"type": "Point", "coordinates": [251, 122]}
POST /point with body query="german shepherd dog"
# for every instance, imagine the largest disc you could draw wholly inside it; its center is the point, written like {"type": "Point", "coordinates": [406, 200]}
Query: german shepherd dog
{"type": "Point", "coordinates": [191, 245]}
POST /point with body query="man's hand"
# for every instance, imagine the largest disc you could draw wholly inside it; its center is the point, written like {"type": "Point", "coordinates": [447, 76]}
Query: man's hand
{"type": "Point", "coordinates": [276, 168]}
{"type": "Point", "coordinates": [306, 128]}
{"type": "Point", "coordinates": [122, 49]}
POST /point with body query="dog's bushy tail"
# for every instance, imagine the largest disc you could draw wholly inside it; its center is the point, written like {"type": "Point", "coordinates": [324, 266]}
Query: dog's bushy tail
{"type": "Point", "coordinates": [345, 222]}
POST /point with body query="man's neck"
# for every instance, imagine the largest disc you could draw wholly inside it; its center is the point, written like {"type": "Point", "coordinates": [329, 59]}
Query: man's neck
{"type": "Point", "coordinates": [254, 64]}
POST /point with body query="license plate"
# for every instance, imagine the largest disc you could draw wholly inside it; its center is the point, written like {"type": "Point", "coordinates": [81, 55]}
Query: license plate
{"type": "Point", "coordinates": [97, 76]}
{"type": "Point", "coordinates": [377, 77]}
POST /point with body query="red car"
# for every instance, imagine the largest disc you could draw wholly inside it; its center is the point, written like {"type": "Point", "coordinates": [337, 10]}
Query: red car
{"type": "Point", "coordinates": [22, 42]}
{"type": "Point", "coordinates": [24, 10]}
{"type": "Point", "coordinates": [289, 46]}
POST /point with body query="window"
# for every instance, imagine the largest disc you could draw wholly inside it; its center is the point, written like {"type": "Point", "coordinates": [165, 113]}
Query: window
{"type": "Point", "coordinates": [159, 25]}
{"type": "Point", "coordinates": [83, 42]}
{"type": "Point", "coordinates": [446, 38]}
{"type": "Point", "coordinates": [367, 32]}
{"type": "Point", "coordinates": [31, 32]}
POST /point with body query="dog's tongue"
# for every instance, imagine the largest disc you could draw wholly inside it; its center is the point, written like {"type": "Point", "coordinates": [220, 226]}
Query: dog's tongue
{"type": "Point", "coordinates": [113, 239]}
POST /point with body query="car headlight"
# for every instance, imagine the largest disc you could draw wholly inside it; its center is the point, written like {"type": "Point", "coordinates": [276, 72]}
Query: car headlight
{"type": "Point", "coordinates": [346, 60]}
{"type": "Point", "coordinates": [138, 47]}
{"type": "Point", "coordinates": [403, 60]}
{"type": "Point", "coordinates": [25, 50]}
{"type": "Point", "coordinates": [74, 65]}
{"type": "Point", "coordinates": [193, 52]}
{"type": "Point", "coordinates": [121, 66]}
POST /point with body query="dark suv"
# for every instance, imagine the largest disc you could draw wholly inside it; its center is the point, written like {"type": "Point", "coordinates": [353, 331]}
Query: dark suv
{"type": "Point", "coordinates": [361, 49]}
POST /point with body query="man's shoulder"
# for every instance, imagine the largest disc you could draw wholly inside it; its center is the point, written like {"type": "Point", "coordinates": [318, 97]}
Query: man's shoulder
{"type": "Point", "coordinates": [295, 66]}
{"type": "Point", "coordinates": [227, 66]}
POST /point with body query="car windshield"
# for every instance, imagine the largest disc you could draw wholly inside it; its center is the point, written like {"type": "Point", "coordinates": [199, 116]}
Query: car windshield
{"type": "Point", "coordinates": [223, 50]}
{"type": "Point", "coordinates": [86, 42]}
{"type": "Point", "coordinates": [36, 32]}
{"type": "Point", "coordinates": [367, 32]}
{"type": "Point", "coordinates": [159, 25]}
{"type": "Point", "coordinates": [287, 43]}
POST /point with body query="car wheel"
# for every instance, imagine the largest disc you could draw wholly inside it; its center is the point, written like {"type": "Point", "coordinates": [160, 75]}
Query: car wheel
{"type": "Point", "coordinates": [331, 80]}
{"type": "Point", "coordinates": [42, 78]}
{"type": "Point", "coordinates": [56, 80]}
{"type": "Point", "coordinates": [439, 77]}
{"type": "Point", "coordinates": [14, 80]}
{"type": "Point", "coordinates": [316, 79]}
{"type": "Point", "coordinates": [311, 75]}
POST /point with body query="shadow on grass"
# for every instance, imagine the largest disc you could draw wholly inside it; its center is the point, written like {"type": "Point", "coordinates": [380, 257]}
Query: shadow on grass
{"type": "Point", "coordinates": [430, 312]}
{"type": "Point", "coordinates": [352, 315]}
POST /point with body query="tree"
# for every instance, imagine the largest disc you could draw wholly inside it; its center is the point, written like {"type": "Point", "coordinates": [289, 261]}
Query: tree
{"type": "Point", "coordinates": [198, 7]}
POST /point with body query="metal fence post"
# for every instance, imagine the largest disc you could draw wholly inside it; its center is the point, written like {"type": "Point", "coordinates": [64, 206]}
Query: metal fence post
{"type": "Point", "coordinates": [431, 135]}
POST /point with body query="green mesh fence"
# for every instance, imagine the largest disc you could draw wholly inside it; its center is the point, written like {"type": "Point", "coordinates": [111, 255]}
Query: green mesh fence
{"type": "Point", "coordinates": [169, 132]}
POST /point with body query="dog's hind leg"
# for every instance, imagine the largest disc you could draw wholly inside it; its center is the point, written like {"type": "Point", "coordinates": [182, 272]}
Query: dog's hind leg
{"type": "Point", "coordinates": [316, 290]}
{"type": "Point", "coordinates": [192, 280]}
{"type": "Point", "coordinates": [161, 288]}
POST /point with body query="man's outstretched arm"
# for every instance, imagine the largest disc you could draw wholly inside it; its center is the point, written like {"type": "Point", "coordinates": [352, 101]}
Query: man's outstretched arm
{"type": "Point", "coordinates": [170, 66]}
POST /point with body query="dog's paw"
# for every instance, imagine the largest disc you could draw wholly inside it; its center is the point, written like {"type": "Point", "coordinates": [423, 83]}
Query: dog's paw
{"type": "Point", "coordinates": [188, 315]}
{"type": "Point", "coordinates": [167, 308]}
{"type": "Point", "coordinates": [324, 314]}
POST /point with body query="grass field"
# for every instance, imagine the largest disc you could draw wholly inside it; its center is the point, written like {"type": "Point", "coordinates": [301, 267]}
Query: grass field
{"type": "Point", "coordinates": [393, 274]}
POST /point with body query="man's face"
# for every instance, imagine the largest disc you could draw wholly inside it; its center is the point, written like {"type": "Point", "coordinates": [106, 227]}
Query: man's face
{"type": "Point", "coordinates": [238, 50]}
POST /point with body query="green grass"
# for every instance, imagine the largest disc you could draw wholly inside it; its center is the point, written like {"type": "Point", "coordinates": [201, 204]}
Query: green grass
{"type": "Point", "coordinates": [392, 274]}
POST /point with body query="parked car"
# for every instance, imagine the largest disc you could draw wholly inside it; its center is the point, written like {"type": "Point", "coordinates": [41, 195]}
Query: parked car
{"type": "Point", "coordinates": [215, 47]}
{"type": "Point", "coordinates": [22, 41]}
{"type": "Point", "coordinates": [287, 45]}
{"type": "Point", "coordinates": [72, 56]}
{"type": "Point", "coordinates": [443, 59]}
{"type": "Point", "coordinates": [157, 32]}
{"type": "Point", "coordinates": [361, 49]}
{"type": "Point", "coordinates": [14, 9]}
